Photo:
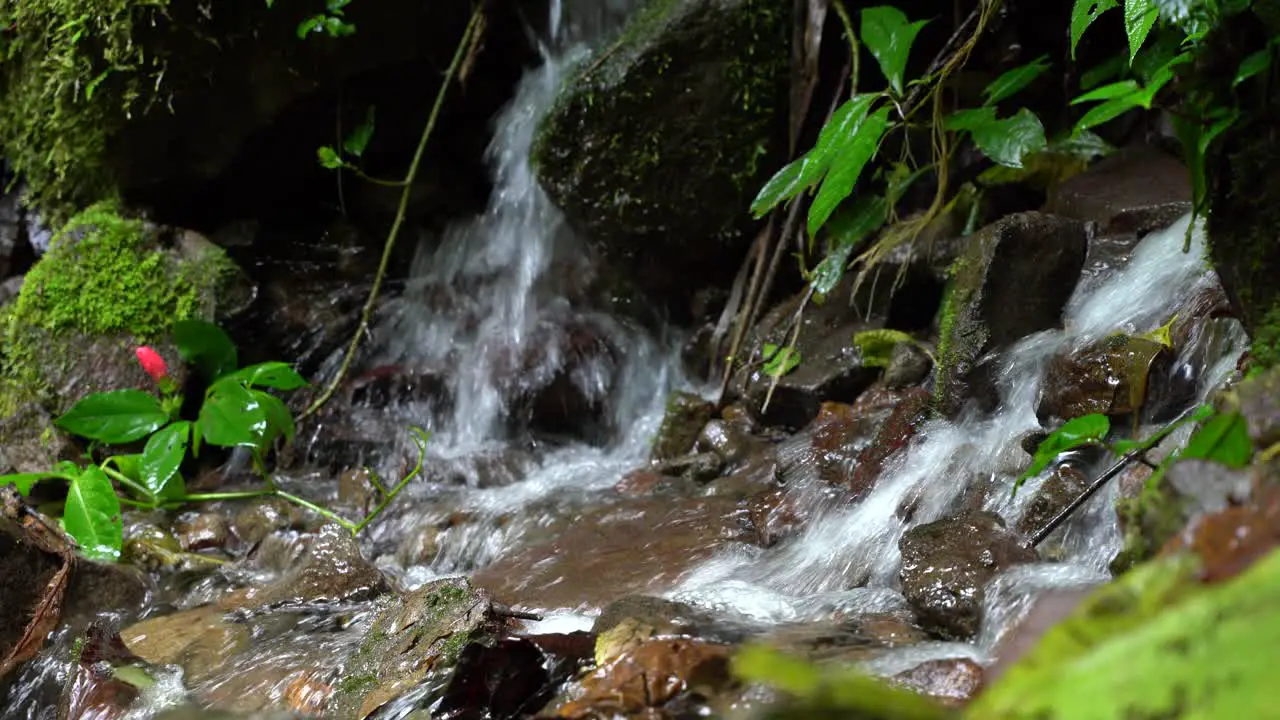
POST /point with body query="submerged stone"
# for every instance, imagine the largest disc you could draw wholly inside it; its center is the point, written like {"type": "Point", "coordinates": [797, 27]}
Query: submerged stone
{"type": "Point", "coordinates": [658, 144]}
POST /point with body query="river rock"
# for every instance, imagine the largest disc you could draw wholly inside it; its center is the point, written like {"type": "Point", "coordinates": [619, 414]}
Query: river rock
{"type": "Point", "coordinates": [658, 144]}
{"type": "Point", "coordinates": [332, 571]}
{"type": "Point", "coordinates": [910, 409]}
{"type": "Point", "coordinates": [682, 425]}
{"type": "Point", "coordinates": [946, 565]}
{"type": "Point", "coordinates": [954, 681]}
{"type": "Point", "coordinates": [513, 676]}
{"type": "Point", "coordinates": [649, 677]}
{"type": "Point", "coordinates": [1259, 403]}
{"type": "Point", "coordinates": [1110, 377]}
{"type": "Point", "coordinates": [1052, 497]}
{"type": "Point", "coordinates": [1014, 278]}
{"type": "Point", "coordinates": [1133, 192]}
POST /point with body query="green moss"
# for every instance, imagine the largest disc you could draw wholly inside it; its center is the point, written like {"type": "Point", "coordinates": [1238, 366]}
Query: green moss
{"type": "Point", "coordinates": [1265, 351]}
{"type": "Point", "coordinates": [357, 683]}
{"type": "Point", "coordinates": [1149, 520]}
{"type": "Point", "coordinates": [69, 76]}
{"type": "Point", "coordinates": [101, 277]}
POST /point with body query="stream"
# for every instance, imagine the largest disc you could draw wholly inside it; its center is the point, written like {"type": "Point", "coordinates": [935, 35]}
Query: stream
{"type": "Point", "coordinates": [493, 319]}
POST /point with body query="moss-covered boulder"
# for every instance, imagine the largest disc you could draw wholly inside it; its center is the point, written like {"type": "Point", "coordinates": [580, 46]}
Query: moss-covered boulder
{"type": "Point", "coordinates": [107, 284]}
{"type": "Point", "coordinates": [656, 148]}
{"type": "Point", "coordinates": [1014, 278]}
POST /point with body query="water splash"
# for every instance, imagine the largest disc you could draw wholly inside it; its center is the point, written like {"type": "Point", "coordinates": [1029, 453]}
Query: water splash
{"type": "Point", "coordinates": [857, 546]}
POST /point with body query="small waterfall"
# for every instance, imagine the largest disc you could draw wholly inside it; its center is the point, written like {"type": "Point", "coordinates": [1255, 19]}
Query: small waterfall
{"type": "Point", "coordinates": [857, 546]}
{"type": "Point", "coordinates": [495, 310]}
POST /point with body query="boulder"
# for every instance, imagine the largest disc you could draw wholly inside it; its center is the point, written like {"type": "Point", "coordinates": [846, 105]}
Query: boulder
{"type": "Point", "coordinates": [107, 285]}
{"type": "Point", "coordinates": [946, 565]}
{"type": "Point", "coordinates": [1110, 377]}
{"type": "Point", "coordinates": [1014, 278]}
{"type": "Point", "coordinates": [650, 677]}
{"type": "Point", "coordinates": [658, 144]}
{"type": "Point", "coordinates": [1132, 192]}
{"type": "Point", "coordinates": [686, 415]}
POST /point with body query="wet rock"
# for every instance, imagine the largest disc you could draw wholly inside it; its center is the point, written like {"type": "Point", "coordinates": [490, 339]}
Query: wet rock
{"type": "Point", "coordinates": [261, 517]}
{"type": "Point", "coordinates": [1135, 191]}
{"type": "Point", "coordinates": [909, 365]}
{"type": "Point", "coordinates": [946, 565]}
{"type": "Point", "coordinates": [910, 410]}
{"type": "Point", "coordinates": [562, 384]}
{"type": "Point", "coordinates": [513, 677]}
{"type": "Point", "coordinates": [1052, 497]}
{"type": "Point", "coordinates": [420, 547]}
{"type": "Point", "coordinates": [650, 676]}
{"type": "Point", "coordinates": [773, 516]}
{"type": "Point", "coordinates": [953, 681]}
{"type": "Point", "coordinates": [629, 621]}
{"type": "Point", "coordinates": [701, 467]}
{"type": "Point", "coordinates": [408, 639]}
{"type": "Point", "coordinates": [752, 476]}
{"type": "Point", "coordinates": [332, 571]}
{"type": "Point", "coordinates": [33, 584]}
{"type": "Point", "coordinates": [628, 120]}
{"type": "Point", "coordinates": [686, 415]}
{"type": "Point", "coordinates": [631, 547]}
{"type": "Point", "coordinates": [1015, 278]}
{"type": "Point", "coordinates": [731, 440]}
{"type": "Point", "coordinates": [201, 640]}
{"type": "Point", "coordinates": [642, 483]}
{"type": "Point", "coordinates": [1047, 610]}
{"type": "Point", "coordinates": [1259, 403]}
{"type": "Point", "coordinates": [31, 442]}
{"type": "Point", "coordinates": [202, 531]}
{"type": "Point", "coordinates": [94, 690]}
{"type": "Point", "coordinates": [846, 640]}
{"type": "Point", "coordinates": [1109, 377]}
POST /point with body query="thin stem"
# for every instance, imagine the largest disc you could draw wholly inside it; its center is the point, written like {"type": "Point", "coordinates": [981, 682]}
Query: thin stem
{"type": "Point", "coordinates": [215, 497]}
{"type": "Point", "coordinates": [388, 497]}
{"type": "Point", "coordinates": [323, 512]}
{"type": "Point", "coordinates": [367, 312]}
{"type": "Point", "coordinates": [130, 483]}
{"type": "Point", "coordinates": [854, 49]}
{"type": "Point", "coordinates": [375, 180]}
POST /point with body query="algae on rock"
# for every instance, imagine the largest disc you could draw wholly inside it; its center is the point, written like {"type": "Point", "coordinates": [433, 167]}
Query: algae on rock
{"type": "Point", "coordinates": [657, 146]}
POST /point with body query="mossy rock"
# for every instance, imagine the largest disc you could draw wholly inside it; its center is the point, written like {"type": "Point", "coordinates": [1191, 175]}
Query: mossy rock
{"type": "Point", "coordinates": [1014, 278]}
{"type": "Point", "coordinates": [657, 146]}
{"type": "Point", "coordinates": [107, 284]}
{"type": "Point", "coordinates": [686, 414]}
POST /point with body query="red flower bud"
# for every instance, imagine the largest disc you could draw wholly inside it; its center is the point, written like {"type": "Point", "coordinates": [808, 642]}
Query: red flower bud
{"type": "Point", "coordinates": [152, 363]}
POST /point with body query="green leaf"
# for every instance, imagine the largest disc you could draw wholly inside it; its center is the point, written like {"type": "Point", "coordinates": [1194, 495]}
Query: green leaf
{"type": "Point", "coordinates": [163, 455]}
{"type": "Point", "coordinates": [889, 35]}
{"type": "Point", "coordinates": [1107, 111]}
{"type": "Point", "coordinates": [279, 419]}
{"type": "Point", "coordinates": [1224, 439]}
{"type": "Point", "coordinates": [92, 515]}
{"type": "Point", "coordinates": [128, 465]}
{"type": "Point", "coordinates": [1014, 80]}
{"type": "Point", "coordinates": [275, 375]}
{"type": "Point", "coordinates": [206, 346]}
{"type": "Point", "coordinates": [877, 346]}
{"type": "Point", "coordinates": [116, 417]}
{"type": "Point", "coordinates": [805, 171]}
{"type": "Point", "coordinates": [25, 481]}
{"type": "Point", "coordinates": [1005, 141]}
{"type": "Point", "coordinates": [1107, 92]}
{"type": "Point", "coordinates": [846, 231]}
{"type": "Point", "coordinates": [315, 23]}
{"type": "Point", "coordinates": [1103, 71]}
{"type": "Point", "coordinates": [1256, 63]}
{"type": "Point", "coordinates": [1083, 13]}
{"type": "Point", "coordinates": [1139, 16]}
{"type": "Point", "coordinates": [329, 158]}
{"type": "Point", "coordinates": [231, 416]}
{"type": "Point", "coordinates": [359, 138]}
{"type": "Point", "coordinates": [336, 27]}
{"type": "Point", "coordinates": [778, 363]}
{"type": "Point", "coordinates": [851, 157]}
{"type": "Point", "coordinates": [1078, 432]}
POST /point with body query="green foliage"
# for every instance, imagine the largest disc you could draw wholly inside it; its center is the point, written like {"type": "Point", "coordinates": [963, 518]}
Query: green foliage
{"type": "Point", "coordinates": [205, 346]}
{"type": "Point", "coordinates": [1223, 439]}
{"type": "Point", "coordinates": [116, 417]}
{"type": "Point", "coordinates": [876, 346]}
{"type": "Point", "coordinates": [1083, 13]}
{"type": "Point", "coordinates": [161, 459]}
{"type": "Point", "coordinates": [92, 515]}
{"type": "Point", "coordinates": [1013, 81]}
{"type": "Point", "coordinates": [889, 35]}
{"type": "Point", "coordinates": [780, 361]}
{"type": "Point", "coordinates": [1006, 141]}
{"type": "Point", "coordinates": [1075, 433]}
{"type": "Point", "coordinates": [817, 691]}
{"type": "Point", "coordinates": [1156, 643]}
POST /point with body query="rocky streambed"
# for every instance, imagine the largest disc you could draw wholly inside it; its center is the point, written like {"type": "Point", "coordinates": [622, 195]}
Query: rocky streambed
{"type": "Point", "coordinates": [596, 532]}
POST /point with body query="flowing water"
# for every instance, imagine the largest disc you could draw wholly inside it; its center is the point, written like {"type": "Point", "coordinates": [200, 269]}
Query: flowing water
{"type": "Point", "coordinates": [493, 309]}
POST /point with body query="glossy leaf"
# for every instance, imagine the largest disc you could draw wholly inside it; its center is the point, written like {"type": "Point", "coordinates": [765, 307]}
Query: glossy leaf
{"type": "Point", "coordinates": [359, 138]}
{"type": "Point", "coordinates": [847, 164]}
{"type": "Point", "coordinates": [1103, 71]}
{"type": "Point", "coordinates": [1078, 432]}
{"type": "Point", "coordinates": [25, 481]}
{"type": "Point", "coordinates": [92, 515]}
{"type": "Point", "coordinates": [1107, 111]}
{"type": "Point", "coordinates": [1139, 16]}
{"type": "Point", "coordinates": [116, 417]}
{"type": "Point", "coordinates": [1015, 80]}
{"type": "Point", "coordinates": [163, 455]}
{"type": "Point", "coordinates": [205, 346]}
{"type": "Point", "coordinates": [231, 416]}
{"type": "Point", "coordinates": [329, 157]}
{"type": "Point", "coordinates": [279, 419]}
{"type": "Point", "coordinates": [1005, 141]}
{"type": "Point", "coordinates": [780, 361]}
{"type": "Point", "coordinates": [1107, 92]}
{"type": "Point", "coordinates": [889, 36]}
{"type": "Point", "coordinates": [804, 172]}
{"type": "Point", "coordinates": [846, 231]}
{"type": "Point", "coordinates": [1223, 439]}
{"type": "Point", "coordinates": [275, 375]}
{"type": "Point", "coordinates": [1256, 63]}
{"type": "Point", "coordinates": [128, 465]}
{"type": "Point", "coordinates": [1083, 13]}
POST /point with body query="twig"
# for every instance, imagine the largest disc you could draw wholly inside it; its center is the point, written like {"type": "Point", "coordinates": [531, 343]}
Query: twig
{"type": "Point", "coordinates": [468, 37]}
